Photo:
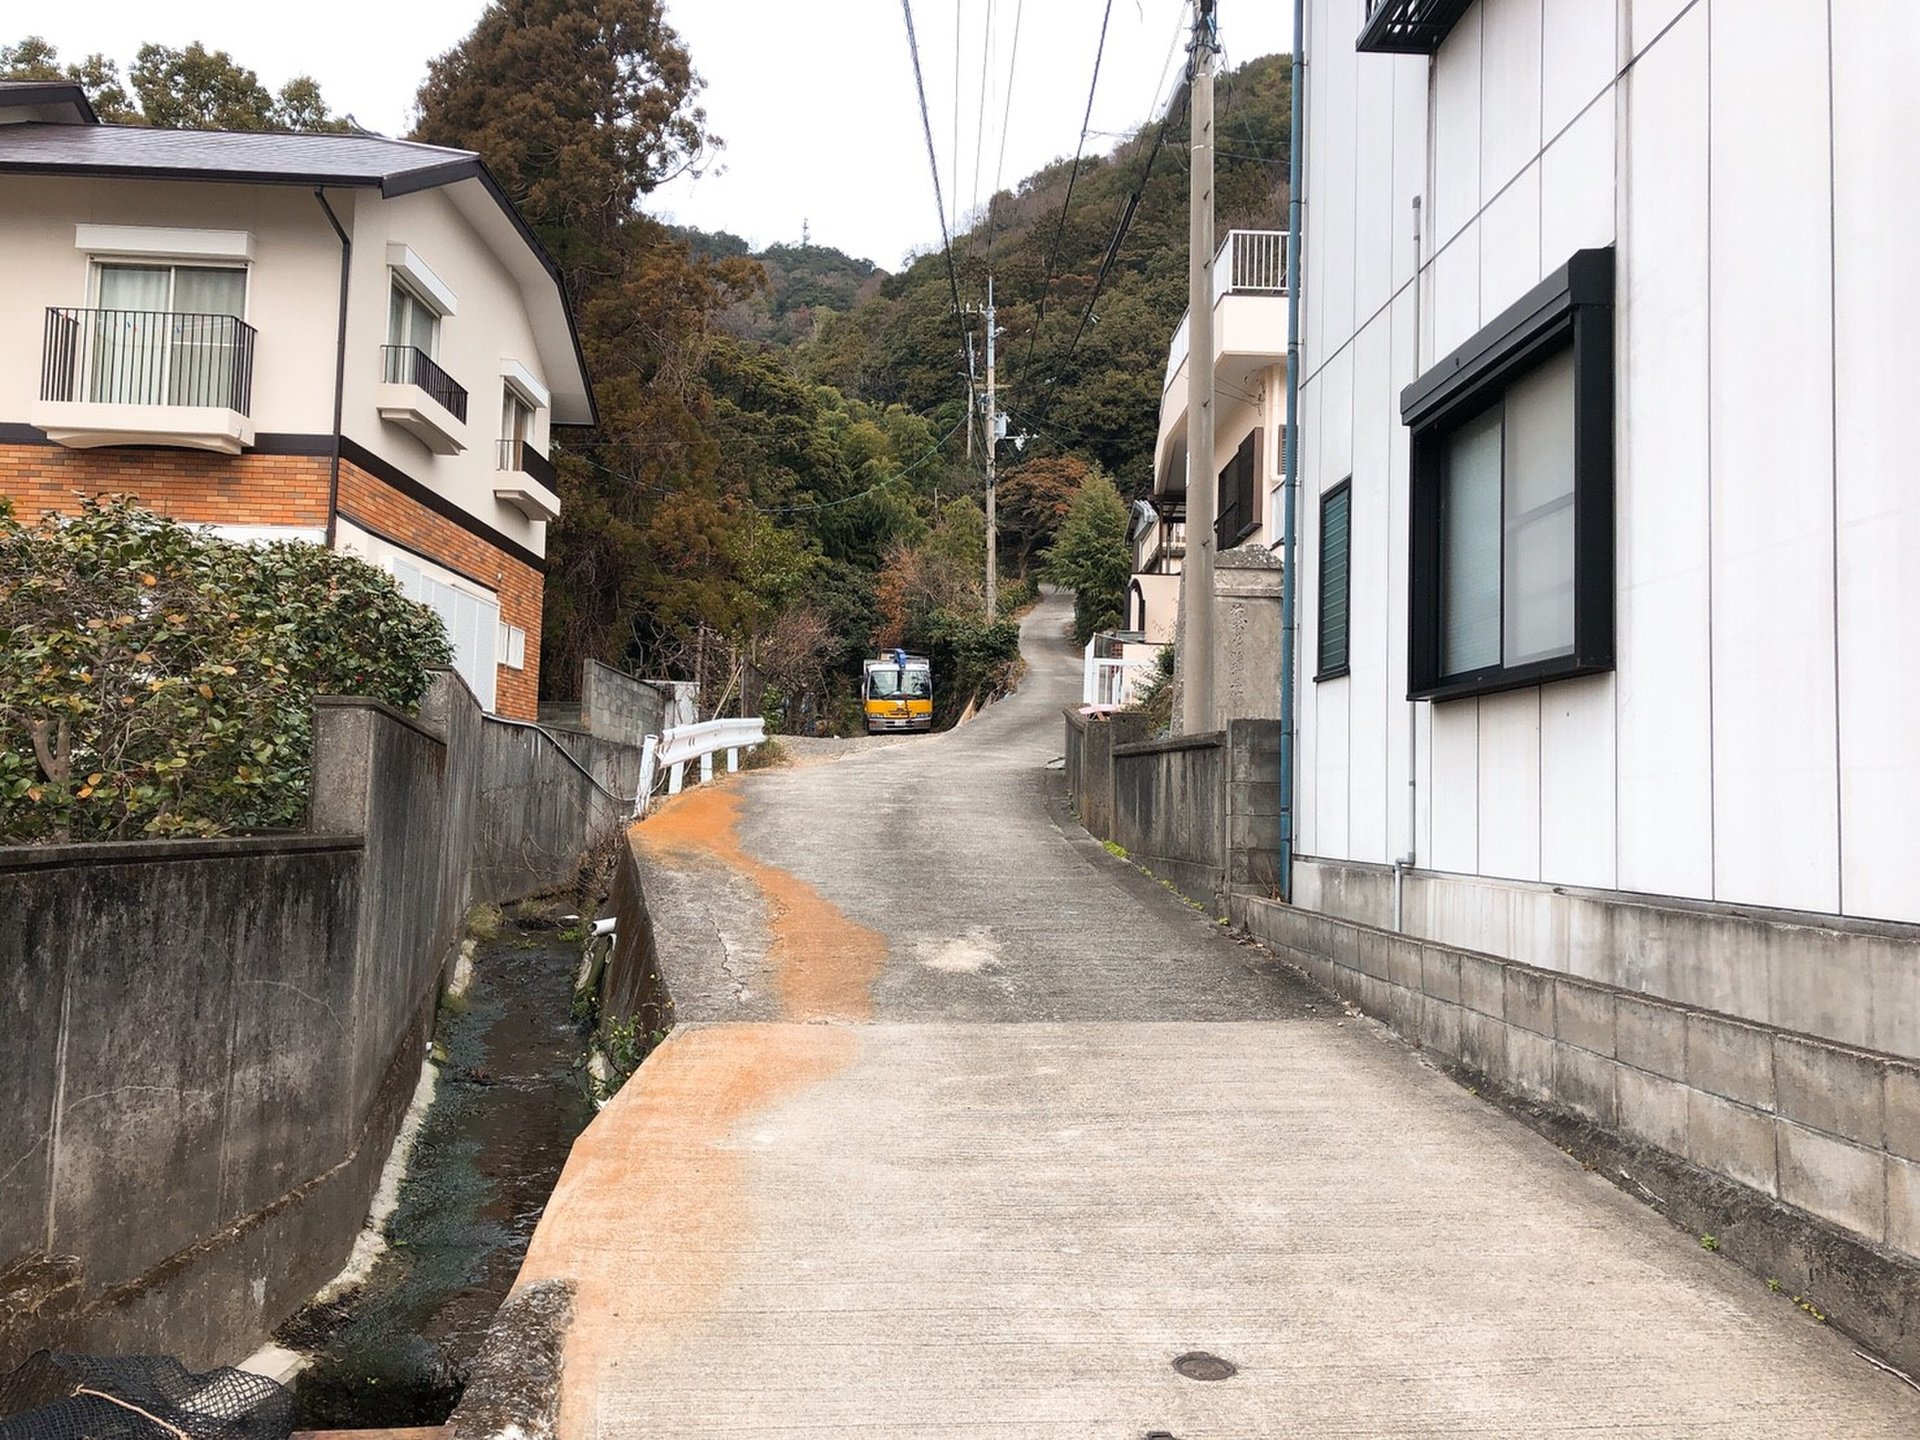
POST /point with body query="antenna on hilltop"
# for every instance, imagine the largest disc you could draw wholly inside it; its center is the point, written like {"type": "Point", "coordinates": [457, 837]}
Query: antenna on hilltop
{"type": "Point", "coordinates": [806, 234]}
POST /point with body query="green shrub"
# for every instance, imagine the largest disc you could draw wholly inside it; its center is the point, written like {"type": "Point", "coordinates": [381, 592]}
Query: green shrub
{"type": "Point", "coordinates": [1154, 698]}
{"type": "Point", "coordinates": [157, 681]}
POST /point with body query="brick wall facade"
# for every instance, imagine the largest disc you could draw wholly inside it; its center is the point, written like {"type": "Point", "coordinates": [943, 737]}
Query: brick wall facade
{"type": "Point", "coordinates": [190, 485]}
{"type": "Point", "coordinates": [378, 507]}
{"type": "Point", "coordinates": [289, 490]}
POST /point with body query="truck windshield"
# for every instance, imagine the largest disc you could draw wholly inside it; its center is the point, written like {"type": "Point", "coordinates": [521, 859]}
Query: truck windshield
{"type": "Point", "coordinates": [895, 684]}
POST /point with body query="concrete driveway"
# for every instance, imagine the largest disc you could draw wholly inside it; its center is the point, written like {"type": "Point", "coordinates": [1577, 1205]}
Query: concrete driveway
{"type": "Point", "coordinates": [971, 1128]}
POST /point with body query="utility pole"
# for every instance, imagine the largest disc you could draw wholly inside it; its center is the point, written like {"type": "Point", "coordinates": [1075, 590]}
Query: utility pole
{"type": "Point", "coordinates": [991, 435]}
{"type": "Point", "coordinates": [993, 445]}
{"type": "Point", "coordinates": [973, 401]}
{"type": "Point", "coordinates": [1203, 499]}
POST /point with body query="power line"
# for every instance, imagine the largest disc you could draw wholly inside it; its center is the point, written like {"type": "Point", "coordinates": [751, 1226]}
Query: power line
{"type": "Point", "coordinates": [1127, 212]}
{"type": "Point", "coordinates": [980, 123]}
{"type": "Point", "coordinates": [933, 164]}
{"type": "Point", "coordinates": [1006, 124]}
{"type": "Point", "coordinates": [1053, 258]}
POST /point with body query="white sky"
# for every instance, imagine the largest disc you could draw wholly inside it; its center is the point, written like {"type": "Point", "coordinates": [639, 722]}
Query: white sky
{"type": "Point", "coordinates": [814, 98]}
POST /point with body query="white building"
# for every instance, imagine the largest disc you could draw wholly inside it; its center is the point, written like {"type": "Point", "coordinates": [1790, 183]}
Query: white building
{"type": "Point", "coordinates": [1609, 534]}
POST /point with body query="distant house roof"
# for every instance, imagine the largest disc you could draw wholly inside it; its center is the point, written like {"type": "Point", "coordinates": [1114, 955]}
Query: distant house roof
{"type": "Point", "coordinates": [48, 128]}
{"type": "Point", "coordinates": [61, 101]}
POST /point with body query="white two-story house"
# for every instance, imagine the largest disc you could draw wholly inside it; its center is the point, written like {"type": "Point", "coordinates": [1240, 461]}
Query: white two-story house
{"type": "Point", "coordinates": [339, 338]}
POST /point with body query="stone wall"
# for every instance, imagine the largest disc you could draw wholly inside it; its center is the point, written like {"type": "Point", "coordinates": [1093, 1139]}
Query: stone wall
{"type": "Point", "coordinates": [208, 1046]}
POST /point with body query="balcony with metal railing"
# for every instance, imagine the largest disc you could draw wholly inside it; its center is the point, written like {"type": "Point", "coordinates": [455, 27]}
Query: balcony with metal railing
{"type": "Point", "coordinates": [421, 398]}
{"type": "Point", "coordinates": [145, 377]}
{"type": "Point", "coordinates": [1249, 299]}
{"type": "Point", "coordinates": [526, 480]}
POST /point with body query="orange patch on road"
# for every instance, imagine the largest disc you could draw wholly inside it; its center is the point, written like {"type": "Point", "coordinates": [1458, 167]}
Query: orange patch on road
{"type": "Point", "coordinates": [651, 1213]}
{"type": "Point", "coordinates": [824, 964]}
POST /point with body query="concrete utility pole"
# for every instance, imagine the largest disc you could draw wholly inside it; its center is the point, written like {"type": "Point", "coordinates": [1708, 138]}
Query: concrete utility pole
{"type": "Point", "coordinates": [1203, 485]}
{"type": "Point", "coordinates": [993, 446]}
{"type": "Point", "coordinates": [973, 400]}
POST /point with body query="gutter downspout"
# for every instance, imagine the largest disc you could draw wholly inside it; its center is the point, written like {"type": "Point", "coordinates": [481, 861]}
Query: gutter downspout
{"type": "Point", "coordinates": [339, 368]}
{"type": "Point", "coordinates": [1407, 861]}
{"type": "Point", "coordinates": [1290, 487]}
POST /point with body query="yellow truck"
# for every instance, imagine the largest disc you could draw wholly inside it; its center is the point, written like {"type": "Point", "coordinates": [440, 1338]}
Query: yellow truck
{"type": "Point", "coordinates": [896, 692]}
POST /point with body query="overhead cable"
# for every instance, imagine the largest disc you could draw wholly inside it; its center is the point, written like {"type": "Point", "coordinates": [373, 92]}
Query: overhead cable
{"type": "Point", "coordinates": [933, 164]}
{"type": "Point", "coordinates": [1060, 230]}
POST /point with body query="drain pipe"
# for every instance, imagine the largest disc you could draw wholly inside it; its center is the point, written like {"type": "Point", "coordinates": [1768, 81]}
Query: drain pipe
{"type": "Point", "coordinates": [1407, 861]}
{"type": "Point", "coordinates": [1290, 483]}
{"type": "Point", "coordinates": [339, 369]}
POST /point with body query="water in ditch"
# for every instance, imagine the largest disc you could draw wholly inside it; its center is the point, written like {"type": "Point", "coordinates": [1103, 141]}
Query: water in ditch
{"type": "Point", "coordinates": [510, 1101]}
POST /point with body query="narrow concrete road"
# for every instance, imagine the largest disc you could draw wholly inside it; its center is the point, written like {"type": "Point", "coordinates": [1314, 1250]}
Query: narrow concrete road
{"type": "Point", "coordinates": [971, 1128]}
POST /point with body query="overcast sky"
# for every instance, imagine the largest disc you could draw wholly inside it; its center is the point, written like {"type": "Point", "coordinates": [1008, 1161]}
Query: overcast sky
{"type": "Point", "coordinates": [814, 98]}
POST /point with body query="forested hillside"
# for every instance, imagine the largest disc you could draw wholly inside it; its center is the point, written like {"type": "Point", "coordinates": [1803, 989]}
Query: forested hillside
{"type": "Point", "coordinates": [1101, 395]}
{"type": "Point", "coordinates": [780, 481]}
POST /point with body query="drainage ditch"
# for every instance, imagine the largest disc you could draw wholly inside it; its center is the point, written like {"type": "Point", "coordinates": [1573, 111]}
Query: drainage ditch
{"type": "Point", "coordinates": [510, 1101]}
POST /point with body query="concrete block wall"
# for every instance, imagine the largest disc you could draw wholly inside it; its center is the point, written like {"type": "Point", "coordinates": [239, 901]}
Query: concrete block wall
{"type": "Point", "coordinates": [1830, 1129]}
{"type": "Point", "coordinates": [1202, 811]}
{"type": "Point", "coordinates": [1091, 740]}
{"type": "Point", "coordinates": [1854, 982]}
{"type": "Point", "coordinates": [618, 706]}
{"type": "Point", "coordinates": [1169, 810]}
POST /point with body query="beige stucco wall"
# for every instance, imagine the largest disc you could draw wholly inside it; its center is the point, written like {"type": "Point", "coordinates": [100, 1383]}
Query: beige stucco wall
{"type": "Point", "coordinates": [1250, 392]}
{"type": "Point", "coordinates": [489, 325]}
{"type": "Point", "coordinates": [290, 287]}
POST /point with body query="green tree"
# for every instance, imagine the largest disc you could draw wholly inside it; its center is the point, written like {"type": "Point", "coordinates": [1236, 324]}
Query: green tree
{"type": "Point", "coordinates": [30, 59]}
{"type": "Point", "coordinates": [190, 89]}
{"type": "Point", "coordinates": [199, 89]}
{"type": "Point", "coordinates": [1091, 558]}
{"type": "Point", "coordinates": [157, 681]}
{"type": "Point", "coordinates": [579, 106]}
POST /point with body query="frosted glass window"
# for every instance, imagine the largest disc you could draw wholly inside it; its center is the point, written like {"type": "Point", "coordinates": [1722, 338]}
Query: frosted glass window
{"type": "Point", "coordinates": [473, 624]}
{"type": "Point", "coordinates": [1470, 547]}
{"type": "Point", "coordinates": [1539, 513]}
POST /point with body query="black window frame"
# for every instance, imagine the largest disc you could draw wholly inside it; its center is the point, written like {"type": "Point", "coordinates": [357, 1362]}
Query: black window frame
{"type": "Point", "coordinates": [1243, 508]}
{"type": "Point", "coordinates": [1336, 671]}
{"type": "Point", "coordinates": [1572, 308]}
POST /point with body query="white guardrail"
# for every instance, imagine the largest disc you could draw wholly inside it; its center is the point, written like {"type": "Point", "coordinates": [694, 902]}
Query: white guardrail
{"type": "Point", "coordinates": [673, 750]}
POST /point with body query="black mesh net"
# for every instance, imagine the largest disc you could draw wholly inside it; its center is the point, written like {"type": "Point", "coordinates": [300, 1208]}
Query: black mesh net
{"type": "Point", "coordinates": [138, 1397]}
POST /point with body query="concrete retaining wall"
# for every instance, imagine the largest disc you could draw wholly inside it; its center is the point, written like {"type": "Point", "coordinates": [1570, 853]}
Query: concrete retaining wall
{"type": "Point", "coordinates": [633, 988]}
{"type": "Point", "coordinates": [545, 795]}
{"type": "Point", "coordinates": [207, 1047]}
{"type": "Point", "coordinates": [1829, 1129]}
{"type": "Point", "coordinates": [1202, 811]}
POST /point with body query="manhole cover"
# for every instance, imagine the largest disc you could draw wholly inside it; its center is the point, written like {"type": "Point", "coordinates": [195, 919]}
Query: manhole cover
{"type": "Point", "coordinates": [1199, 1365]}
